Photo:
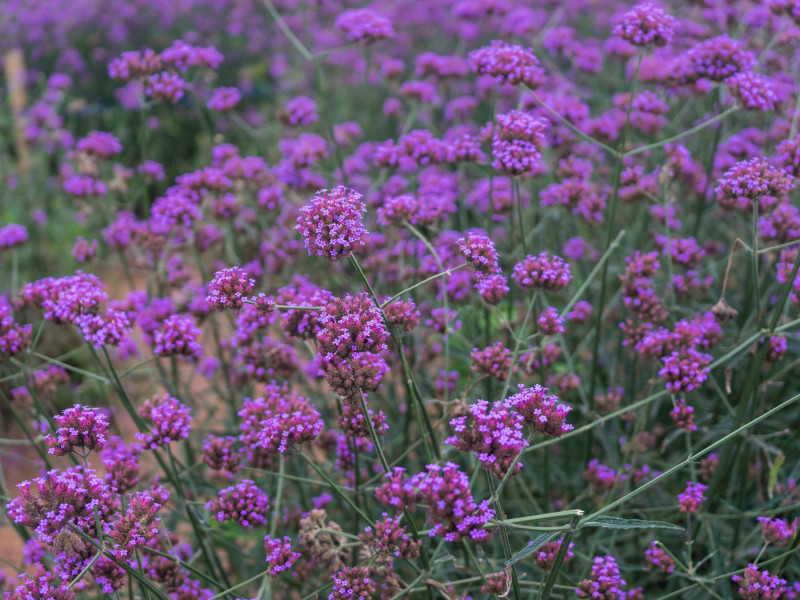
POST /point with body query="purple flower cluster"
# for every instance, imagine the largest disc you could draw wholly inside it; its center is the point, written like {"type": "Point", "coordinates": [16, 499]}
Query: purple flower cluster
{"type": "Point", "coordinates": [691, 499]}
{"type": "Point", "coordinates": [545, 272]}
{"type": "Point", "coordinates": [13, 235]}
{"type": "Point", "coordinates": [508, 63]}
{"type": "Point", "coordinates": [390, 537]}
{"type": "Point", "coordinates": [540, 410]}
{"type": "Point", "coordinates": [78, 427]}
{"type": "Point", "coordinates": [171, 421]}
{"type": "Point", "coordinates": [229, 289]}
{"type": "Point", "coordinates": [605, 581]}
{"type": "Point", "coordinates": [646, 24]}
{"type": "Point", "coordinates": [493, 433]}
{"type": "Point", "coordinates": [280, 556]}
{"type": "Point", "coordinates": [755, 584]}
{"type": "Point", "coordinates": [753, 180]}
{"type": "Point", "coordinates": [364, 25]}
{"type": "Point", "coordinates": [244, 503]}
{"type": "Point", "coordinates": [331, 224]}
{"type": "Point", "coordinates": [178, 336]}
{"type": "Point", "coordinates": [655, 557]}
{"type": "Point", "coordinates": [136, 527]}
{"type": "Point", "coordinates": [453, 511]}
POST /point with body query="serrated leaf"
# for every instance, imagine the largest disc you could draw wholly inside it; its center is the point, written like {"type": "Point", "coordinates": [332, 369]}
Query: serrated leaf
{"type": "Point", "coordinates": [619, 523]}
{"type": "Point", "coordinates": [773, 474]}
{"type": "Point", "coordinates": [533, 546]}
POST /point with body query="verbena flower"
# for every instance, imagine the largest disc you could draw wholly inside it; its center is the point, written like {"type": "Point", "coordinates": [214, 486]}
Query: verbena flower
{"type": "Point", "coordinates": [243, 503]}
{"type": "Point", "coordinates": [453, 512]}
{"type": "Point", "coordinates": [331, 223]}
{"type": "Point", "coordinates": [508, 63]}
{"type": "Point", "coordinates": [171, 421]}
{"type": "Point", "coordinates": [691, 499]}
{"type": "Point", "coordinates": [79, 427]}
{"type": "Point", "coordinates": [280, 556]}
{"type": "Point", "coordinates": [655, 557]}
{"type": "Point", "coordinates": [646, 24]}
{"type": "Point", "coordinates": [493, 434]}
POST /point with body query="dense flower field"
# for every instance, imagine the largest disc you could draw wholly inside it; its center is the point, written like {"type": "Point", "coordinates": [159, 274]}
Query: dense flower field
{"type": "Point", "coordinates": [420, 299]}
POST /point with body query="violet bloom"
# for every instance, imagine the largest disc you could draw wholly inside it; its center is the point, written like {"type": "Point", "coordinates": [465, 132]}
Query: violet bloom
{"type": "Point", "coordinates": [646, 24]}
{"type": "Point", "coordinates": [683, 415]}
{"type": "Point", "coordinates": [494, 361]}
{"type": "Point", "coordinates": [243, 503]}
{"type": "Point", "coordinates": [83, 250]}
{"type": "Point", "coordinates": [550, 322]}
{"type": "Point", "coordinates": [171, 421]}
{"type": "Point", "coordinates": [390, 538]}
{"type": "Point", "coordinates": [452, 510]}
{"type": "Point", "coordinates": [540, 410]}
{"type": "Point", "coordinates": [691, 499]}
{"type": "Point", "coordinates": [294, 420]}
{"type": "Point", "coordinates": [753, 91]}
{"type": "Point", "coordinates": [760, 585]}
{"type": "Point", "coordinates": [364, 25]}
{"type": "Point", "coordinates": [100, 145]}
{"type": "Point", "coordinates": [480, 252]}
{"type": "Point", "coordinates": [397, 492]}
{"type": "Point", "coordinates": [83, 186]}
{"type": "Point", "coordinates": [655, 557]}
{"type": "Point", "coordinates": [300, 111]}
{"type": "Point", "coordinates": [777, 531]}
{"type": "Point", "coordinates": [14, 338]}
{"type": "Point", "coordinates": [493, 288]}
{"type": "Point", "coordinates": [224, 99]}
{"type": "Point", "coordinates": [353, 583]}
{"type": "Point", "coordinates": [13, 235]}
{"type": "Point", "coordinates": [716, 59]}
{"type": "Point", "coordinates": [517, 140]}
{"type": "Point", "coordinates": [544, 272]}
{"type": "Point", "coordinates": [178, 336]}
{"type": "Point", "coordinates": [493, 434]}
{"type": "Point", "coordinates": [165, 87]}
{"type": "Point", "coordinates": [132, 65]}
{"type": "Point", "coordinates": [397, 210]}
{"type": "Point", "coordinates": [229, 289]}
{"type": "Point", "coordinates": [45, 586]}
{"type": "Point", "coordinates": [136, 528]}
{"type": "Point", "coordinates": [685, 370]}
{"type": "Point", "coordinates": [78, 427]}
{"type": "Point", "coordinates": [605, 581]}
{"type": "Point", "coordinates": [111, 329]}
{"type": "Point", "coordinates": [545, 557]}
{"type": "Point", "coordinates": [751, 180]}
{"type": "Point", "coordinates": [221, 454]}
{"type": "Point", "coordinates": [331, 224]}
{"type": "Point", "coordinates": [280, 557]}
{"type": "Point", "coordinates": [508, 64]}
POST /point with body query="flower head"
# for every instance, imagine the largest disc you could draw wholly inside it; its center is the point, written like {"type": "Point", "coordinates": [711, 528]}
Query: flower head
{"type": "Point", "coordinates": [331, 223]}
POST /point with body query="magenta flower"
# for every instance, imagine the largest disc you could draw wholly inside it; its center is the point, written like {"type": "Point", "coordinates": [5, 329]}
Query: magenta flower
{"type": "Point", "coordinates": [508, 63]}
{"type": "Point", "coordinates": [540, 410]}
{"type": "Point", "coordinates": [452, 511]}
{"type": "Point", "coordinates": [545, 272]}
{"type": "Point", "coordinates": [280, 557]}
{"type": "Point", "coordinates": [13, 235]}
{"type": "Point", "coordinates": [229, 289]}
{"type": "Point", "coordinates": [171, 421]}
{"type": "Point", "coordinates": [244, 503]}
{"type": "Point", "coordinates": [493, 434]}
{"type": "Point", "coordinates": [691, 499]}
{"type": "Point", "coordinates": [364, 25]}
{"type": "Point", "coordinates": [331, 223]}
{"type": "Point", "coordinates": [224, 99]}
{"type": "Point", "coordinates": [78, 427]}
{"type": "Point", "coordinates": [646, 24]}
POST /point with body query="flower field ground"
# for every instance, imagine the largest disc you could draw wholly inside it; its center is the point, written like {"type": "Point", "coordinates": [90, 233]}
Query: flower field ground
{"type": "Point", "coordinates": [453, 299]}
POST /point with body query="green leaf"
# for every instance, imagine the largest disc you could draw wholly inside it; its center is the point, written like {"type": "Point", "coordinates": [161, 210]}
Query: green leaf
{"type": "Point", "coordinates": [533, 546]}
{"type": "Point", "coordinates": [619, 523]}
{"type": "Point", "coordinates": [773, 474]}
